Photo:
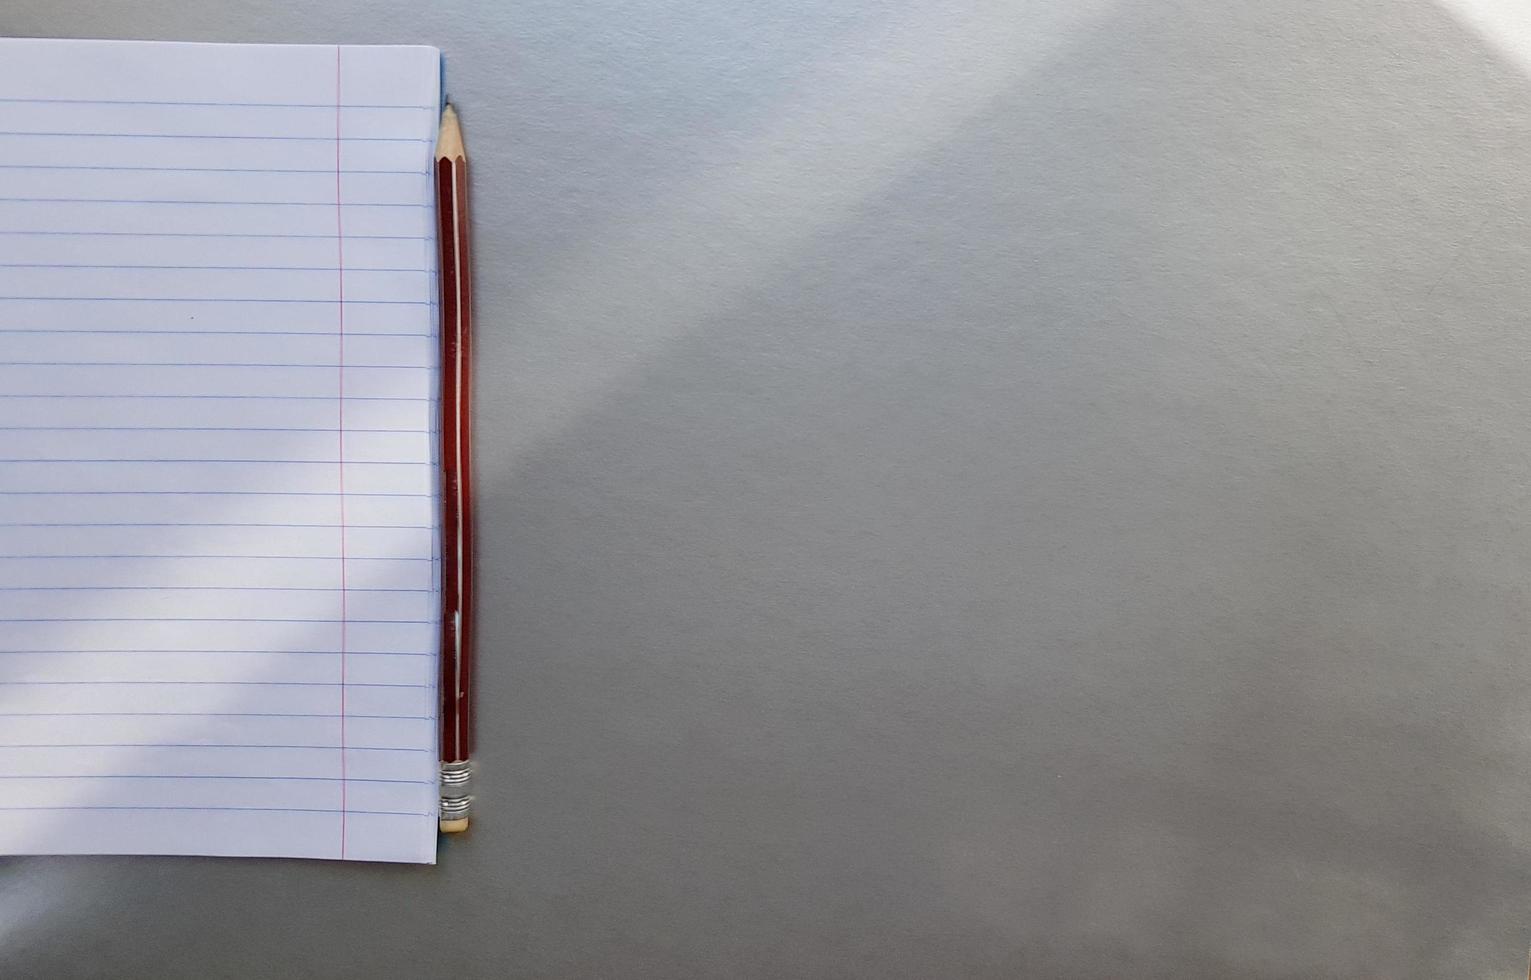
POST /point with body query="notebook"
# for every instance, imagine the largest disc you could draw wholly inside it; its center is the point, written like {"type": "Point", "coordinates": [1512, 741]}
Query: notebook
{"type": "Point", "coordinates": [219, 609]}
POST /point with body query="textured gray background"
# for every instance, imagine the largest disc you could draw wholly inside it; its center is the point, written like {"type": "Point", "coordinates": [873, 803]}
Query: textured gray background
{"type": "Point", "coordinates": [1008, 489]}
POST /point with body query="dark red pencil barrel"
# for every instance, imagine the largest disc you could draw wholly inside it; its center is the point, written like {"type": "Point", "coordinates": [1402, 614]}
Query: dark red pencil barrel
{"type": "Point", "coordinates": [456, 457]}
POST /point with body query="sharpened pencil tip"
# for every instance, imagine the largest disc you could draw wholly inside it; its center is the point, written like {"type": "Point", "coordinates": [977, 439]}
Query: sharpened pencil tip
{"type": "Point", "coordinates": [449, 145]}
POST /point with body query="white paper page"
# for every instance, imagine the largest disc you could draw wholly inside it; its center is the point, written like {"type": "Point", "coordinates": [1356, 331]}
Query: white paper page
{"type": "Point", "coordinates": [218, 616]}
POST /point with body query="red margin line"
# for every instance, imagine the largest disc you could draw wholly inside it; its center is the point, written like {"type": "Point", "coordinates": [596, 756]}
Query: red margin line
{"type": "Point", "coordinates": [340, 428]}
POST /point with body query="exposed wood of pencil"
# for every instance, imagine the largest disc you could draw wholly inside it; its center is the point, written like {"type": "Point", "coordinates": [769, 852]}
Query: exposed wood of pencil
{"type": "Point", "coordinates": [449, 145]}
{"type": "Point", "coordinates": [456, 452]}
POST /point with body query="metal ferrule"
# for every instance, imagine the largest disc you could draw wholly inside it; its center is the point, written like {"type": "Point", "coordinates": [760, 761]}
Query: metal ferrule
{"type": "Point", "coordinates": [456, 789]}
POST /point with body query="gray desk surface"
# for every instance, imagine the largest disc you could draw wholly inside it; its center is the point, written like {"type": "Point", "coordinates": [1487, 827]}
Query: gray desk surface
{"type": "Point", "coordinates": [1015, 489]}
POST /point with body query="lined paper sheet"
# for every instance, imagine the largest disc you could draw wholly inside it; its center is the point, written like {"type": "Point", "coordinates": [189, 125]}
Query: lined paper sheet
{"type": "Point", "coordinates": [218, 616]}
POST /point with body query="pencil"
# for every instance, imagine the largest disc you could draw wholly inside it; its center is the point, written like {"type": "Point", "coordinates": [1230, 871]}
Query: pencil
{"type": "Point", "coordinates": [457, 477]}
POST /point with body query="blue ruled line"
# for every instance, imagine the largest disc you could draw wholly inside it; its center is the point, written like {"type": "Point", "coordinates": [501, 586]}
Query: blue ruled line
{"type": "Point", "coordinates": [203, 557]}
{"type": "Point", "coordinates": [210, 619]}
{"type": "Point", "coordinates": [208, 234]}
{"type": "Point", "coordinates": [206, 493]}
{"type": "Point", "coordinates": [201, 428]}
{"type": "Point", "coordinates": [212, 299]}
{"type": "Point", "coordinates": [224, 136]}
{"type": "Point", "coordinates": [199, 588]}
{"type": "Point", "coordinates": [201, 714]}
{"type": "Point", "coordinates": [303, 779]}
{"type": "Point", "coordinates": [413, 687]}
{"type": "Point", "coordinates": [210, 170]}
{"type": "Point", "coordinates": [264, 204]}
{"type": "Point", "coordinates": [208, 268]}
{"type": "Point", "coordinates": [208, 653]}
{"type": "Point", "coordinates": [193, 459]}
{"type": "Point", "coordinates": [372, 527]}
{"type": "Point", "coordinates": [133, 331]}
{"type": "Point", "coordinates": [218, 809]}
{"type": "Point", "coordinates": [286, 398]}
{"type": "Point", "coordinates": [205, 745]}
{"type": "Point", "coordinates": [330, 106]}
{"type": "Point", "coordinates": [217, 364]}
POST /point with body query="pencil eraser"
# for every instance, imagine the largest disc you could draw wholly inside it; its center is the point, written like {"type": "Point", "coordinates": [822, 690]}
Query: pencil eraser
{"type": "Point", "coordinates": [454, 826]}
